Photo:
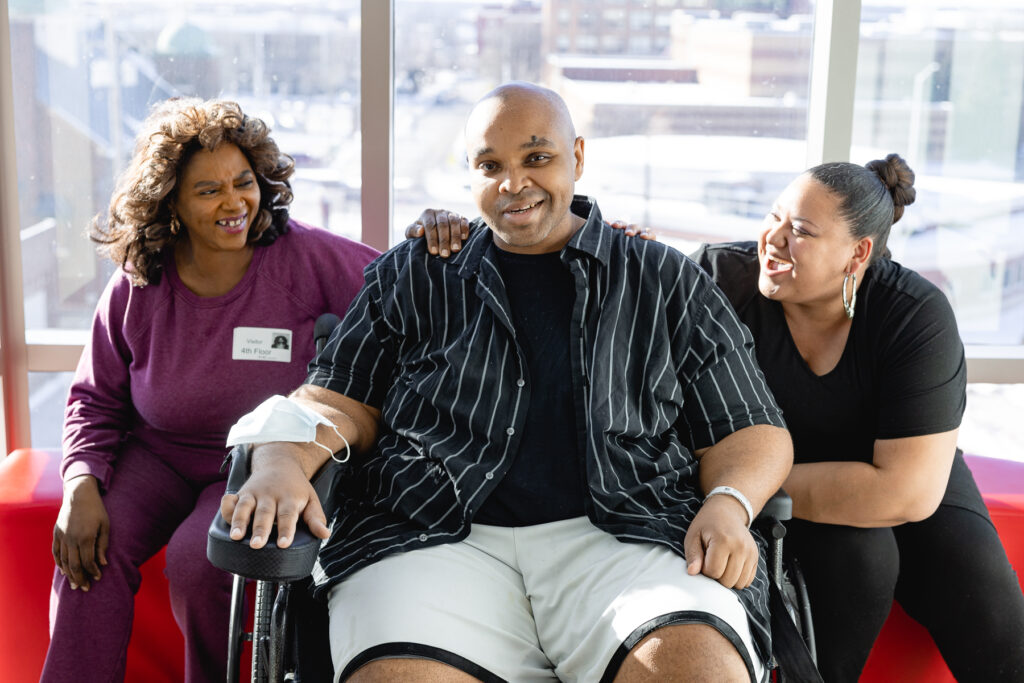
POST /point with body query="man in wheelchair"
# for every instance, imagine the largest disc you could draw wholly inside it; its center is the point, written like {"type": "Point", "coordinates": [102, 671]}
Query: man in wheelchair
{"type": "Point", "coordinates": [555, 442]}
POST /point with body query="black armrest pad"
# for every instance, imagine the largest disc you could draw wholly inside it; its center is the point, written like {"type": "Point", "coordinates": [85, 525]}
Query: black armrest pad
{"type": "Point", "coordinates": [779, 507]}
{"type": "Point", "coordinates": [269, 563]}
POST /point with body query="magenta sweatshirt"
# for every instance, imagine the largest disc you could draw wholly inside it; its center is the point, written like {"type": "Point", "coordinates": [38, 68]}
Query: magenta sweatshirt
{"type": "Point", "coordinates": [170, 371]}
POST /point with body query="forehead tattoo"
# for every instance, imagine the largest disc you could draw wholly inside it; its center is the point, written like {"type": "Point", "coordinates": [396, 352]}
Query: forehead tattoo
{"type": "Point", "coordinates": [535, 141]}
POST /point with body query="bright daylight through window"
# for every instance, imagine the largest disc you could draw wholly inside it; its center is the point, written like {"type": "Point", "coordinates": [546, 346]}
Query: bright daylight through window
{"type": "Point", "coordinates": [695, 114]}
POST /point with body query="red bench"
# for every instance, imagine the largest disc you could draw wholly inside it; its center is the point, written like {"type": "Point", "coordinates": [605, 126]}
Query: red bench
{"type": "Point", "coordinates": [904, 651]}
{"type": "Point", "coordinates": [30, 495]}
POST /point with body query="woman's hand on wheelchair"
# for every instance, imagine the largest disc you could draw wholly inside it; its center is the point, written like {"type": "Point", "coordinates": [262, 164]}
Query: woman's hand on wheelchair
{"type": "Point", "coordinates": [719, 545]}
{"type": "Point", "coordinates": [445, 231]}
{"type": "Point", "coordinates": [632, 229]}
{"type": "Point", "coordinates": [278, 491]}
{"type": "Point", "coordinates": [82, 533]}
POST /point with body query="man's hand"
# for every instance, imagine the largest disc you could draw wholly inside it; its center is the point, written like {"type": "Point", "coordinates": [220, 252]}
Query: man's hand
{"type": "Point", "coordinates": [719, 545]}
{"type": "Point", "coordinates": [82, 532]}
{"type": "Point", "coordinates": [278, 490]}
{"type": "Point", "coordinates": [445, 231]}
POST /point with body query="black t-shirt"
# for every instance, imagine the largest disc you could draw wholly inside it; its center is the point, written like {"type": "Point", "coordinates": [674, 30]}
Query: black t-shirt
{"type": "Point", "coordinates": [901, 374]}
{"type": "Point", "coordinates": [545, 482]}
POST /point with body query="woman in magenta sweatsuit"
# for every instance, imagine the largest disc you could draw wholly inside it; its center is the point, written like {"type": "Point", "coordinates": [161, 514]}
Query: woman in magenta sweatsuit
{"type": "Point", "coordinates": [211, 312]}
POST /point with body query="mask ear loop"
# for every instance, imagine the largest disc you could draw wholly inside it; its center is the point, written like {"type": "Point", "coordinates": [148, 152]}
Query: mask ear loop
{"type": "Point", "coordinates": [348, 451]}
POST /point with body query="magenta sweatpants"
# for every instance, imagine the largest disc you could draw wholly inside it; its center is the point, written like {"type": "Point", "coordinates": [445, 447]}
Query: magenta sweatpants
{"type": "Point", "coordinates": [150, 505]}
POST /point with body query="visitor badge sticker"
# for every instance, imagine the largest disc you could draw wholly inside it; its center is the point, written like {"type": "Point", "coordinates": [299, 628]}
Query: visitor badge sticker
{"type": "Point", "coordinates": [262, 343]}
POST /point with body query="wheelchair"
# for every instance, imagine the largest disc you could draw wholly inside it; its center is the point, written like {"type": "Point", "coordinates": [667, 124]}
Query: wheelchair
{"type": "Point", "coordinates": [794, 653]}
{"type": "Point", "coordinates": [283, 645]}
{"type": "Point", "coordinates": [289, 636]}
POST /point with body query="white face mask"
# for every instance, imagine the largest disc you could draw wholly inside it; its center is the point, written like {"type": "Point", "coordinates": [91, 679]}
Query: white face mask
{"type": "Point", "coordinates": [279, 419]}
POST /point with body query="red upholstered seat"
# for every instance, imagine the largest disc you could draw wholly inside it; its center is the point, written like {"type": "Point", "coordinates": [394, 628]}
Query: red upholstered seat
{"type": "Point", "coordinates": [30, 496]}
{"type": "Point", "coordinates": [904, 650]}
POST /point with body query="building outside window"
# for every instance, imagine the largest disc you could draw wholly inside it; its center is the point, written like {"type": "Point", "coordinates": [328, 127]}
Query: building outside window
{"type": "Point", "coordinates": [87, 72]}
{"type": "Point", "coordinates": [695, 114]}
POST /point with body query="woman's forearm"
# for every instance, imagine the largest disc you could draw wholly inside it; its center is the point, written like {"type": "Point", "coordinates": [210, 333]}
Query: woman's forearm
{"type": "Point", "coordinates": [849, 493]}
{"type": "Point", "coordinates": [904, 482]}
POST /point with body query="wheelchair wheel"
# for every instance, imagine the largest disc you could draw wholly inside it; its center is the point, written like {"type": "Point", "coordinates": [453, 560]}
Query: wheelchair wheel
{"type": "Point", "coordinates": [268, 632]}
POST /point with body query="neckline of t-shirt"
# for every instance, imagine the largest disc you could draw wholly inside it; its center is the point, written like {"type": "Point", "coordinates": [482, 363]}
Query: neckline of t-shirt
{"type": "Point", "coordinates": [795, 350]}
{"type": "Point", "coordinates": [507, 256]}
{"type": "Point", "coordinates": [182, 290]}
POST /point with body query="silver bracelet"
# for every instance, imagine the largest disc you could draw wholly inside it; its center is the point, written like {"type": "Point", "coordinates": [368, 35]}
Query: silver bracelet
{"type": "Point", "coordinates": [730, 491]}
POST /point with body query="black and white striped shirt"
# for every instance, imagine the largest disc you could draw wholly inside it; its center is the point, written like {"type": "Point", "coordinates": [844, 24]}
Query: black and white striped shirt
{"type": "Point", "coordinates": [661, 367]}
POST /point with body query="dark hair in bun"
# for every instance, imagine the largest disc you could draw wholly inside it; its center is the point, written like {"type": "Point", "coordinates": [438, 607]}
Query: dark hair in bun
{"type": "Point", "coordinates": [871, 197]}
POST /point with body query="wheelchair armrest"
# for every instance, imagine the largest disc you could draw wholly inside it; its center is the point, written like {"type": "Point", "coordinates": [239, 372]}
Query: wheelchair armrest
{"type": "Point", "coordinates": [269, 563]}
{"type": "Point", "coordinates": [778, 508]}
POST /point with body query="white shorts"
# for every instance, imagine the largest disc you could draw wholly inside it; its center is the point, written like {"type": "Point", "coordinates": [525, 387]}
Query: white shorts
{"type": "Point", "coordinates": [562, 601]}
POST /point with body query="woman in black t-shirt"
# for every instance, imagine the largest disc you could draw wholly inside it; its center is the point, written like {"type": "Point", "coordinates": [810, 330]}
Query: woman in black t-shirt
{"type": "Point", "coordinates": [865, 360]}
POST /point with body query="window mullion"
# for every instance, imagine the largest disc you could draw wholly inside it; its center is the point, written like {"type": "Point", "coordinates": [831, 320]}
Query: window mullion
{"type": "Point", "coordinates": [376, 115]}
{"type": "Point", "coordinates": [14, 419]}
{"type": "Point", "coordinates": [833, 80]}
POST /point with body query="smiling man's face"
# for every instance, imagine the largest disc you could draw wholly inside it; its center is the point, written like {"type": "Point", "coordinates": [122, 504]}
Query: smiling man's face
{"type": "Point", "coordinates": [525, 160]}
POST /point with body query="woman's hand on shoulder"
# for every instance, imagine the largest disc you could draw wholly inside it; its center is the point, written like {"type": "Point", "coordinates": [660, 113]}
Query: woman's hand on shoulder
{"type": "Point", "coordinates": [632, 229]}
{"type": "Point", "coordinates": [82, 532]}
{"type": "Point", "coordinates": [445, 231]}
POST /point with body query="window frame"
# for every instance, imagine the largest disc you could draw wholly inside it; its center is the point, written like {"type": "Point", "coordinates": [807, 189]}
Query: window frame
{"type": "Point", "coordinates": [833, 71]}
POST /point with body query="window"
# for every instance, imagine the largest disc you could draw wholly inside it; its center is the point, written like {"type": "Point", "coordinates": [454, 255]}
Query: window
{"type": "Point", "coordinates": [693, 130]}
{"type": "Point", "coordinates": [640, 45]}
{"type": "Point", "coordinates": [613, 17]}
{"type": "Point", "coordinates": [611, 43]}
{"type": "Point", "coordinates": [942, 85]}
{"type": "Point", "coordinates": [86, 75]}
{"type": "Point", "coordinates": [641, 19]}
{"type": "Point", "coordinates": [694, 143]}
{"type": "Point", "coordinates": [89, 75]}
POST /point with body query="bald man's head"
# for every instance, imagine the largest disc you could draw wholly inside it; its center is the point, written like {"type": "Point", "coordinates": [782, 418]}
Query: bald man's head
{"type": "Point", "coordinates": [525, 159]}
{"type": "Point", "coordinates": [521, 94]}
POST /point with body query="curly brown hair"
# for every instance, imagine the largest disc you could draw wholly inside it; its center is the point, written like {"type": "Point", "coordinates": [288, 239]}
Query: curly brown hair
{"type": "Point", "coordinates": [138, 225]}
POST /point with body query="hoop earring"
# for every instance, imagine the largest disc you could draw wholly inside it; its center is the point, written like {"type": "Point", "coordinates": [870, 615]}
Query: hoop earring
{"type": "Point", "coordinates": [848, 305]}
{"type": "Point", "coordinates": [175, 225]}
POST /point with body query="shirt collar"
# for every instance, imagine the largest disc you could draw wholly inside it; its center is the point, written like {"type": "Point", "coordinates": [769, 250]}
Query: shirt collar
{"type": "Point", "coordinates": [593, 238]}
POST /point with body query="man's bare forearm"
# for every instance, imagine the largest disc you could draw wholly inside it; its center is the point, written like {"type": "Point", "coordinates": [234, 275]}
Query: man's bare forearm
{"type": "Point", "coordinates": [754, 460]}
{"type": "Point", "coordinates": [356, 422]}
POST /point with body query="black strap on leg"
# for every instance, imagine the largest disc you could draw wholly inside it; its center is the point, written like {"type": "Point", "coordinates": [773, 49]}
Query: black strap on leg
{"type": "Point", "coordinates": [787, 644]}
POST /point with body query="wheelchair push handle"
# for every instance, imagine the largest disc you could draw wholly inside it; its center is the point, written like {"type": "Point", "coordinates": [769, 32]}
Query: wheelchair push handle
{"type": "Point", "coordinates": [778, 508]}
{"type": "Point", "coordinates": [322, 329]}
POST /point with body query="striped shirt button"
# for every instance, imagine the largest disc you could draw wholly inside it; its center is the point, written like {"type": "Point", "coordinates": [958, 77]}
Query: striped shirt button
{"type": "Point", "coordinates": [489, 475]}
{"type": "Point", "coordinates": [520, 382]}
{"type": "Point", "coordinates": [423, 538]}
{"type": "Point", "coordinates": [510, 431]}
